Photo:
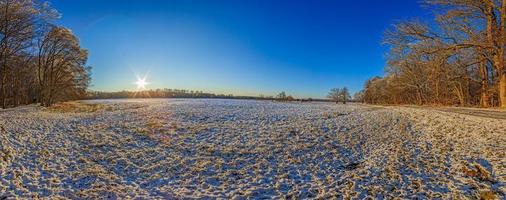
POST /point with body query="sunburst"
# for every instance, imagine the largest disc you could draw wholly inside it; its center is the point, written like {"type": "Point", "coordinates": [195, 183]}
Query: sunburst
{"type": "Point", "coordinates": [141, 83]}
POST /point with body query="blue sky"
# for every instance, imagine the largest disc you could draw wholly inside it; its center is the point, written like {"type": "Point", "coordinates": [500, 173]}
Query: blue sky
{"type": "Point", "coordinates": [241, 47]}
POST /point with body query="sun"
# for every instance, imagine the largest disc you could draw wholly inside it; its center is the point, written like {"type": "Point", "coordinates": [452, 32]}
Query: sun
{"type": "Point", "coordinates": [141, 83]}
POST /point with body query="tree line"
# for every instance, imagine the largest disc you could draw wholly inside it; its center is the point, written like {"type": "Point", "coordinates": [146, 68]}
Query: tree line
{"type": "Point", "coordinates": [40, 62]}
{"type": "Point", "coordinates": [156, 93]}
{"type": "Point", "coordinates": [457, 60]}
{"type": "Point", "coordinates": [183, 93]}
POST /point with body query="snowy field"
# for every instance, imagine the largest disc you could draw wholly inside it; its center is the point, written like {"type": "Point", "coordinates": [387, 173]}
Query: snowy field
{"type": "Point", "coordinates": [176, 148]}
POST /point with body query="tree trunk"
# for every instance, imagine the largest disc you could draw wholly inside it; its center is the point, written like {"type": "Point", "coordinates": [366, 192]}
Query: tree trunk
{"type": "Point", "coordinates": [419, 97]}
{"type": "Point", "coordinates": [502, 89]}
{"type": "Point", "coordinates": [14, 90]}
{"type": "Point", "coordinates": [460, 95]}
{"type": "Point", "coordinates": [500, 55]}
{"type": "Point", "coordinates": [484, 85]}
{"type": "Point", "coordinates": [1, 92]}
{"type": "Point", "coordinates": [4, 83]}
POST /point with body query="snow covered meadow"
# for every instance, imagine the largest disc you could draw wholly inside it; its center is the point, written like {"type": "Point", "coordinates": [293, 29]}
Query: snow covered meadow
{"type": "Point", "coordinates": [194, 148]}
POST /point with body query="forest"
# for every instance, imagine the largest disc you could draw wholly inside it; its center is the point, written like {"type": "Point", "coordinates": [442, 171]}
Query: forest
{"type": "Point", "coordinates": [457, 59]}
{"type": "Point", "coordinates": [40, 62]}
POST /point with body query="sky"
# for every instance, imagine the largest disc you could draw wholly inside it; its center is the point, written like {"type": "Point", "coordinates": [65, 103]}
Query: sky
{"type": "Point", "coordinates": [240, 47]}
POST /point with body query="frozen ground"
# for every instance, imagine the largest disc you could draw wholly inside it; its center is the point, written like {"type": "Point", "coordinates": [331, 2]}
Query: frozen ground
{"type": "Point", "coordinates": [259, 149]}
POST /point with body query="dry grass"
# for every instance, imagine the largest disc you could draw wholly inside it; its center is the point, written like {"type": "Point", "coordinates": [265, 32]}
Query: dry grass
{"type": "Point", "coordinates": [487, 195]}
{"type": "Point", "coordinates": [169, 149]}
{"type": "Point", "coordinates": [479, 172]}
{"type": "Point", "coordinates": [75, 107]}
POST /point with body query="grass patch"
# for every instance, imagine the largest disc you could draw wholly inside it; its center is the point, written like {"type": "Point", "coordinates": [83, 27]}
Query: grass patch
{"type": "Point", "coordinates": [74, 107]}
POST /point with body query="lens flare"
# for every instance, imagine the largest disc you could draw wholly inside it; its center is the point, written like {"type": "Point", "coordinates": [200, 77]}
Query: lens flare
{"type": "Point", "coordinates": [141, 83]}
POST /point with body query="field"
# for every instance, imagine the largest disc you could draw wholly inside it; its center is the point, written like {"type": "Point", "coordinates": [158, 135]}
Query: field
{"type": "Point", "coordinates": [180, 148]}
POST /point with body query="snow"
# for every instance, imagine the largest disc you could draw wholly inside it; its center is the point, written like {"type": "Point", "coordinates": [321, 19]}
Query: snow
{"type": "Point", "coordinates": [198, 148]}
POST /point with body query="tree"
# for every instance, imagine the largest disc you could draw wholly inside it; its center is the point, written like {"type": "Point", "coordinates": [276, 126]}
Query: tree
{"type": "Point", "coordinates": [281, 96]}
{"type": "Point", "coordinates": [459, 61]}
{"type": "Point", "coordinates": [38, 60]}
{"type": "Point", "coordinates": [345, 95]}
{"type": "Point", "coordinates": [491, 15]}
{"type": "Point", "coordinates": [335, 94]}
{"type": "Point", "coordinates": [339, 94]}
{"type": "Point", "coordinates": [61, 66]}
{"type": "Point", "coordinates": [358, 96]}
{"type": "Point", "coordinates": [16, 32]}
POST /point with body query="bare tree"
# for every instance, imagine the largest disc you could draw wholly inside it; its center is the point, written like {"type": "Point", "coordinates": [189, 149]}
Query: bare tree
{"type": "Point", "coordinates": [61, 66]}
{"type": "Point", "coordinates": [281, 96]}
{"type": "Point", "coordinates": [491, 15]}
{"type": "Point", "coordinates": [335, 94]}
{"type": "Point", "coordinates": [358, 96]}
{"type": "Point", "coordinates": [16, 32]}
{"type": "Point", "coordinates": [38, 61]}
{"type": "Point", "coordinates": [345, 95]}
{"type": "Point", "coordinates": [459, 61]}
{"type": "Point", "coordinates": [339, 94]}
